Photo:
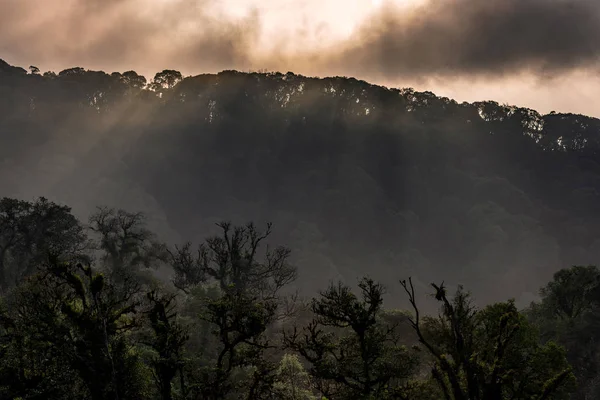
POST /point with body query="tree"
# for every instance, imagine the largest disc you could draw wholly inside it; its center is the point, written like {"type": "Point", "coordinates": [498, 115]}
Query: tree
{"type": "Point", "coordinates": [239, 322]}
{"type": "Point", "coordinates": [133, 80]}
{"type": "Point", "coordinates": [189, 268]}
{"type": "Point", "coordinates": [572, 292]}
{"type": "Point", "coordinates": [167, 340]}
{"type": "Point", "coordinates": [30, 231]}
{"type": "Point", "coordinates": [75, 71]}
{"type": "Point", "coordinates": [491, 354]}
{"type": "Point", "coordinates": [125, 242]}
{"type": "Point", "coordinates": [352, 352]}
{"type": "Point", "coordinates": [165, 80]}
{"type": "Point", "coordinates": [569, 313]}
{"type": "Point", "coordinates": [292, 382]}
{"type": "Point", "coordinates": [29, 367]}
{"type": "Point", "coordinates": [49, 75]}
{"type": "Point", "coordinates": [244, 305]}
{"type": "Point", "coordinates": [230, 260]}
{"type": "Point", "coordinates": [79, 315]}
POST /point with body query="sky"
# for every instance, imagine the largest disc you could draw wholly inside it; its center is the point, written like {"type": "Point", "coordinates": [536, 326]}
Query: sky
{"type": "Point", "coordinates": [543, 54]}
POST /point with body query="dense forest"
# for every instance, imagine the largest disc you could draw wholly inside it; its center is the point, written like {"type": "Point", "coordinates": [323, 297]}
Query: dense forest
{"type": "Point", "coordinates": [83, 315]}
{"type": "Point", "coordinates": [356, 177]}
{"type": "Point", "coordinates": [363, 184]}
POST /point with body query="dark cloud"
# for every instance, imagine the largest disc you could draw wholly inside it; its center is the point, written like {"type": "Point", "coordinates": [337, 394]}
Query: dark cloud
{"type": "Point", "coordinates": [476, 37]}
{"type": "Point", "coordinates": [437, 38]}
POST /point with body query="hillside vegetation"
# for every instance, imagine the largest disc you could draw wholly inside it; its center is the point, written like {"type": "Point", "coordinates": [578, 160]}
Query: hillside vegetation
{"type": "Point", "coordinates": [357, 178]}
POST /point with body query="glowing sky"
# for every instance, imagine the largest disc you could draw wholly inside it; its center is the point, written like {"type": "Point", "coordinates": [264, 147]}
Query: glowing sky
{"type": "Point", "coordinates": [542, 54]}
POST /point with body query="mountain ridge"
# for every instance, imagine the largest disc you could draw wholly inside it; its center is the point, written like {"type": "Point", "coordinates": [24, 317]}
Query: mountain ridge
{"type": "Point", "coordinates": [419, 98]}
{"type": "Point", "coordinates": [355, 177]}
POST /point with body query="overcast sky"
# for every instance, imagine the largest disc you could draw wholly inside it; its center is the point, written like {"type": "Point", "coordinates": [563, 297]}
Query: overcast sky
{"type": "Point", "coordinates": [543, 54]}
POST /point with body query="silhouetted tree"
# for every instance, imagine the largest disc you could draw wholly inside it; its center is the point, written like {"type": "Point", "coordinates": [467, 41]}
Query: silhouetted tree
{"type": "Point", "coordinates": [132, 79]}
{"type": "Point", "coordinates": [490, 354]}
{"type": "Point", "coordinates": [31, 367]}
{"type": "Point", "coordinates": [569, 313]}
{"type": "Point", "coordinates": [167, 340]}
{"type": "Point", "coordinates": [231, 260]}
{"type": "Point", "coordinates": [29, 232]}
{"type": "Point", "coordinates": [79, 313]}
{"type": "Point", "coordinates": [352, 353]}
{"type": "Point", "coordinates": [354, 175]}
{"type": "Point", "coordinates": [244, 306]}
{"type": "Point", "coordinates": [165, 80]}
{"type": "Point", "coordinates": [125, 243]}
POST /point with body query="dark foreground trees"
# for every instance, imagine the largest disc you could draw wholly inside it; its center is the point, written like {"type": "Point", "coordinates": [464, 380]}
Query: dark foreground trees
{"type": "Point", "coordinates": [236, 290]}
{"type": "Point", "coordinates": [352, 351]}
{"type": "Point", "coordinates": [29, 231]}
{"type": "Point", "coordinates": [167, 338]}
{"type": "Point", "coordinates": [488, 354]}
{"type": "Point", "coordinates": [569, 313]}
{"type": "Point", "coordinates": [225, 327]}
{"type": "Point", "coordinates": [73, 318]}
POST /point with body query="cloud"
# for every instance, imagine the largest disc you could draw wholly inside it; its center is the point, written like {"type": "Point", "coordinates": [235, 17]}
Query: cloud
{"type": "Point", "coordinates": [434, 38]}
{"type": "Point", "coordinates": [124, 34]}
{"type": "Point", "coordinates": [476, 37]}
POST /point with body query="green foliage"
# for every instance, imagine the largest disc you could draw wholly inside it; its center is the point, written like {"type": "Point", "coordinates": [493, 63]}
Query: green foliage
{"type": "Point", "coordinates": [569, 314]}
{"type": "Point", "coordinates": [30, 231]}
{"type": "Point", "coordinates": [234, 312]}
{"type": "Point", "coordinates": [71, 330]}
{"type": "Point", "coordinates": [75, 312]}
{"type": "Point", "coordinates": [493, 353]}
{"type": "Point", "coordinates": [31, 366]}
{"type": "Point", "coordinates": [499, 195]}
{"type": "Point", "coordinates": [167, 339]}
{"type": "Point", "coordinates": [292, 382]}
{"type": "Point", "coordinates": [572, 292]}
{"type": "Point", "coordinates": [353, 354]}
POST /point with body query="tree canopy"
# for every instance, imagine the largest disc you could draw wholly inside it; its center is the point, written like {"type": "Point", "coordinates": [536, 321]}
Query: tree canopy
{"type": "Point", "coordinates": [96, 322]}
{"type": "Point", "coordinates": [167, 301]}
{"type": "Point", "coordinates": [353, 174]}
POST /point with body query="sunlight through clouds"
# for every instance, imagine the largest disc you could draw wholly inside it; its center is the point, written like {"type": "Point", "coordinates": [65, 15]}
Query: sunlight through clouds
{"type": "Point", "coordinates": [428, 44]}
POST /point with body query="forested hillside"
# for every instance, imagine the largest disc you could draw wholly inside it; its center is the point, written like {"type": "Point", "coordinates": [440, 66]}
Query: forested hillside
{"type": "Point", "coordinates": [357, 178]}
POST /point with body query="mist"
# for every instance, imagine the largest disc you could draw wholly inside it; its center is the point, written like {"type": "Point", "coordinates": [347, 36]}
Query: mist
{"type": "Point", "coordinates": [207, 225]}
{"type": "Point", "coordinates": [521, 50]}
{"type": "Point", "coordinates": [297, 152]}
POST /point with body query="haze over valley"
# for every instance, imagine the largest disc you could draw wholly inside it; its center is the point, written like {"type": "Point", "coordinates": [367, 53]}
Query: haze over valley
{"type": "Point", "coordinates": [356, 178]}
{"type": "Point", "coordinates": [299, 200]}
